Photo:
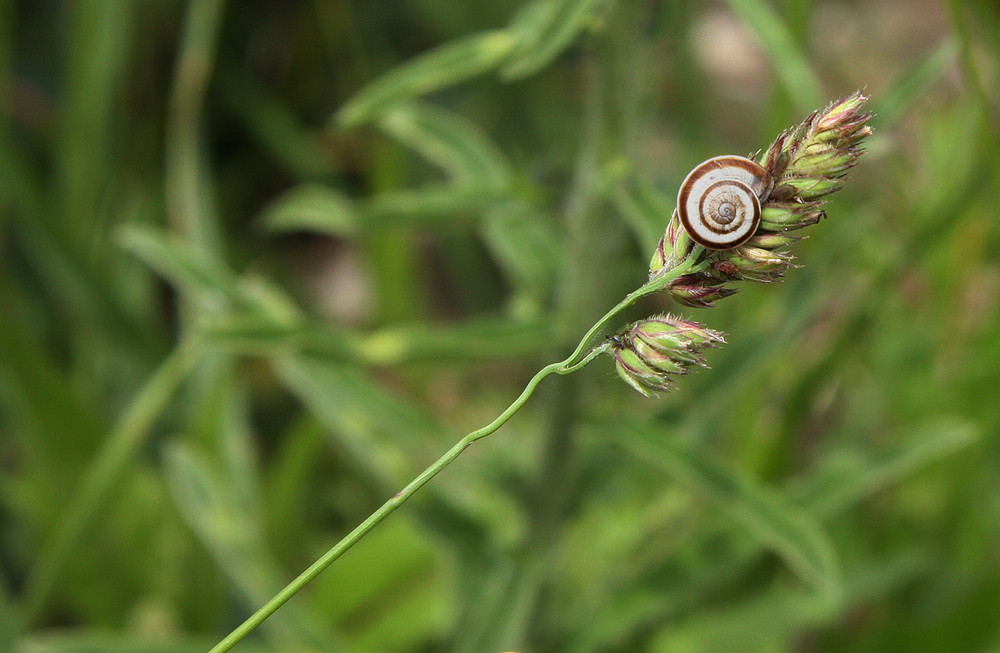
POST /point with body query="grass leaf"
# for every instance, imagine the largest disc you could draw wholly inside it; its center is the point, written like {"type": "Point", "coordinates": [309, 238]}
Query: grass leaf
{"type": "Point", "coordinates": [484, 338]}
{"type": "Point", "coordinates": [892, 103]}
{"type": "Point", "coordinates": [766, 513]}
{"type": "Point", "coordinates": [376, 427]}
{"type": "Point", "coordinates": [443, 66]}
{"type": "Point", "coordinates": [544, 29]}
{"type": "Point", "coordinates": [526, 244]}
{"type": "Point", "coordinates": [790, 63]}
{"type": "Point", "coordinates": [446, 139]}
{"type": "Point", "coordinates": [848, 479]}
{"type": "Point", "coordinates": [433, 206]}
{"type": "Point", "coordinates": [204, 277]}
{"type": "Point", "coordinates": [313, 207]}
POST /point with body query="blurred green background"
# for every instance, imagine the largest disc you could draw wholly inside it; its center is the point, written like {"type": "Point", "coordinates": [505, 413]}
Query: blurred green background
{"type": "Point", "coordinates": [260, 263]}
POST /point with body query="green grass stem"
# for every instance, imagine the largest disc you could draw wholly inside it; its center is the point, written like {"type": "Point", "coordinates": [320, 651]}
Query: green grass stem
{"type": "Point", "coordinates": [570, 364]}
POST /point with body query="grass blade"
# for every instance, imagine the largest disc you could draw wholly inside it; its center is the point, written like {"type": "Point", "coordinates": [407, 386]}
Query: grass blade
{"type": "Point", "coordinates": [790, 63]}
{"type": "Point", "coordinates": [767, 514]}
{"type": "Point", "coordinates": [313, 207]}
{"type": "Point", "coordinates": [848, 479]}
{"type": "Point", "coordinates": [205, 498]}
{"type": "Point", "coordinates": [204, 277]}
{"type": "Point", "coordinates": [441, 67]}
{"type": "Point", "coordinates": [327, 211]}
{"type": "Point", "coordinates": [544, 29]}
{"type": "Point", "coordinates": [457, 145]}
{"type": "Point", "coordinates": [918, 80]}
{"type": "Point", "coordinates": [104, 472]}
{"type": "Point", "coordinates": [480, 339]}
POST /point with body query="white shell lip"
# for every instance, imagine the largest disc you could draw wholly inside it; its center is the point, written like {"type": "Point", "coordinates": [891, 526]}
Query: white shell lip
{"type": "Point", "coordinates": [747, 183]}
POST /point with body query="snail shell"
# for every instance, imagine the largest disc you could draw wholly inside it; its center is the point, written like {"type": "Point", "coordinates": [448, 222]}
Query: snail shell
{"type": "Point", "coordinates": [719, 201]}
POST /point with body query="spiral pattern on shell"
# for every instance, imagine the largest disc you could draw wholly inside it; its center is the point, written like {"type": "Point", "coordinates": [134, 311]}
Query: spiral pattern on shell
{"type": "Point", "coordinates": [719, 201]}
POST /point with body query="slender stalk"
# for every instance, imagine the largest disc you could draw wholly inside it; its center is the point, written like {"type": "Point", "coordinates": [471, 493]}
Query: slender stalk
{"type": "Point", "coordinates": [384, 511]}
{"type": "Point", "coordinates": [570, 364]}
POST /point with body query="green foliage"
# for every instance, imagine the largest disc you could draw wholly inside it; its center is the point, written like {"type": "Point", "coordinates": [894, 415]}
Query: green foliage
{"type": "Point", "coordinates": [773, 520]}
{"type": "Point", "coordinates": [233, 326]}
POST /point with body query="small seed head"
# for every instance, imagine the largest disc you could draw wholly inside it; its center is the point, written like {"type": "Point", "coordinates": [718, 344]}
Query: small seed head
{"type": "Point", "coordinates": [700, 290]}
{"type": "Point", "coordinates": [650, 353]}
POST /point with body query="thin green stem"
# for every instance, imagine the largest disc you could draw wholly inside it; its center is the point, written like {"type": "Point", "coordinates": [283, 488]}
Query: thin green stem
{"type": "Point", "coordinates": [571, 363]}
{"type": "Point", "coordinates": [591, 355]}
{"type": "Point", "coordinates": [649, 287]}
{"type": "Point", "coordinates": [376, 517]}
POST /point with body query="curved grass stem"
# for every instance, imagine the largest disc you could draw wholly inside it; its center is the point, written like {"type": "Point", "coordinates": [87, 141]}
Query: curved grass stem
{"type": "Point", "coordinates": [570, 364]}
